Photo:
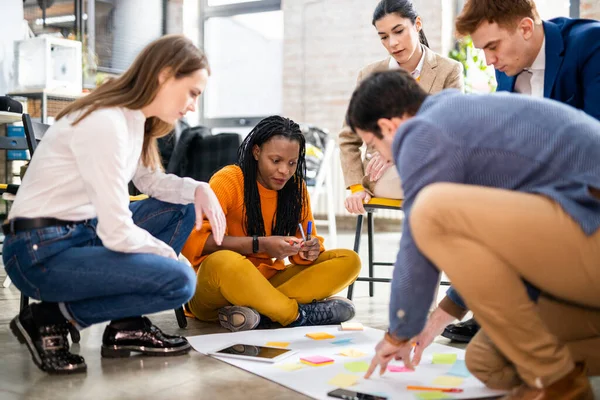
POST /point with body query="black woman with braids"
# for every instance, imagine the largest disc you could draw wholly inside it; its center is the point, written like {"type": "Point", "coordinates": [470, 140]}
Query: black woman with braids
{"type": "Point", "coordinates": [264, 199]}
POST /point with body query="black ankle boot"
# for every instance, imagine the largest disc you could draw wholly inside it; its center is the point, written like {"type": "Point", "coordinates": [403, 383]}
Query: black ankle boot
{"type": "Point", "coordinates": [141, 336]}
{"type": "Point", "coordinates": [47, 340]}
{"type": "Point", "coordinates": [462, 332]}
{"type": "Point", "coordinates": [333, 310]}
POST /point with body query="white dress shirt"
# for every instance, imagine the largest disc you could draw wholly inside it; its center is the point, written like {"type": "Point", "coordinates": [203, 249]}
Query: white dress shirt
{"type": "Point", "coordinates": [81, 172]}
{"type": "Point", "coordinates": [531, 80]}
{"type": "Point", "coordinates": [393, 64]}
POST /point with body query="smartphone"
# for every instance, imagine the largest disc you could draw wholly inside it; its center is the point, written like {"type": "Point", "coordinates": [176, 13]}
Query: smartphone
{"type": "Point", "coordinates": [352, 395]}
{"type": "Point", "coordinates": [252, 352]}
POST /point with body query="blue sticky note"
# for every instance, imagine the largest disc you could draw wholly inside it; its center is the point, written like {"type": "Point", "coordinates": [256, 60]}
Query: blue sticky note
{"type": "Point", "coordinates": [342, 341]}
{"type": "Point", "coordinates": [459, 368]}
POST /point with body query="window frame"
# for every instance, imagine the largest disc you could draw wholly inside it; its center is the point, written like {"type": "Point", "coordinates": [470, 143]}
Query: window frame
{"type": "Point", "coordinates": [230, 10]}
{"type": "Point", "coordinates": [91, 10]}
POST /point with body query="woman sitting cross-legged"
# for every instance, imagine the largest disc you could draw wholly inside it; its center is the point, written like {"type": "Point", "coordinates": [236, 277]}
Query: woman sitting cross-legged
{"type": "Point", "coordinates": [264, 198]}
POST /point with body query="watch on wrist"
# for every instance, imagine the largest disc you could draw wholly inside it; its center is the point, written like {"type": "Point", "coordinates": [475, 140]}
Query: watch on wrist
{"type": "Point", "coordinates": [255, 244]}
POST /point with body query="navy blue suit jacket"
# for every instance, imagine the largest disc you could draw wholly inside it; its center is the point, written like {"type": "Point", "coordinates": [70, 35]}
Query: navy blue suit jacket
{"type": "Point", "coordinates": [572, 74]}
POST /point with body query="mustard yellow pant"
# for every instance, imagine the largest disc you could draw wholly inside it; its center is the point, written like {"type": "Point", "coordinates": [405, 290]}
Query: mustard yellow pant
{"type": "Point", "coordinates": [228, 278]}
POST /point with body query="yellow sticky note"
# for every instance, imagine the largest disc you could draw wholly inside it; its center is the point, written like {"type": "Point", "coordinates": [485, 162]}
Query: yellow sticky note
{"type": "Point", "coordinates": [352, 353]}
{"type": "Point", "coordinates": [343, 380]}
{"type": "Point", "coordinates": [452, 381]}
{"type": "Point", "coordinates": [278, 344]}
{"type": "Point", "coordinates": [290, 366]}
{"type": "Point", "coordinates": [439, 358]}
{"type": "Point", "coordinates": [432, 395]}
{"type": "Point", "coordinates": [320, 336]}
{"type": "Point", "coordinates": [352, 326]}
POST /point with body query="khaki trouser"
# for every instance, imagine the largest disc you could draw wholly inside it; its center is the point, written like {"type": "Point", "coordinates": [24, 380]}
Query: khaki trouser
{"type": "Point", "coordinates": [577, 327]}
{"type": "Point", "coordinates": [389, 185]}
{"type": "Point", "coordinates": [487, 240]}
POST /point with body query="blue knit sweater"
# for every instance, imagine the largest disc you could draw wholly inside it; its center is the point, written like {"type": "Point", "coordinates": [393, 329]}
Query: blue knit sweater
{"type": "Point", "coordinates": [501, 140]}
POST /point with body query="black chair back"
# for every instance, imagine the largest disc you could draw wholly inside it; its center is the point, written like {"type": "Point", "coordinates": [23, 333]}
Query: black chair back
{"type": "Point", "coordinates": [34, 131]}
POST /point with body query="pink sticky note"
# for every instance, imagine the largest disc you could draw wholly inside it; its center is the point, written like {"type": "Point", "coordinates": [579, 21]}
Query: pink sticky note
{"type": "Point", "coordinates": [399, 368]}
{"type": "Point", "coordinates": [317, 359]}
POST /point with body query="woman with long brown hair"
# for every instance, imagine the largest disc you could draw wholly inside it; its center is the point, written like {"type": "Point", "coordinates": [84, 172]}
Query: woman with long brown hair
{"type": "Point", "coordinates": [73, 240]}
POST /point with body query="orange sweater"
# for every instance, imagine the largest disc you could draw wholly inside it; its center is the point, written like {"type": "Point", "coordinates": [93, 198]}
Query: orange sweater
{"type": "Point", "coordinates": [228, 185]}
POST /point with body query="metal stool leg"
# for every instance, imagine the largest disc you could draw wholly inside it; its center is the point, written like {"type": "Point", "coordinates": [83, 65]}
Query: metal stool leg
{"type": "Point", "coordinates": [370, 226]}
{"type": "Point", "coordinates": [181, 319]}
{"type": "Point", "coordinates": [359, 222]}
{"type": "Point", "coordinates": [24, 301]}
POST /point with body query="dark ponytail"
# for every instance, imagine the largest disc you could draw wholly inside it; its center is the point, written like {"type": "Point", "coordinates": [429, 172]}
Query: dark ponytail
{"type": "Point", "coordinates": [422, 38]}
{"type": "Point", "coordinates": [403, 8]}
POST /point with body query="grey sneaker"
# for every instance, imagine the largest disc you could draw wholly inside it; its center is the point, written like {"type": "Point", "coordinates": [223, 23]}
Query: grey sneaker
{"type": "Point", "coordinates": [331, 311]}
{"type": "Point", "coordinates": [238, 318]}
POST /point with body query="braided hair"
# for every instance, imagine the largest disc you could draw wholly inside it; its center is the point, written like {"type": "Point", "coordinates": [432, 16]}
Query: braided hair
{"type": "Point", "coordinates": [290, 199]}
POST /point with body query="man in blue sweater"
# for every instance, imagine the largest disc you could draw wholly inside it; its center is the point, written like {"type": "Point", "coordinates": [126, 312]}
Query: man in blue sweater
{"type": "Point", "coordinates": [557, 59]}
{"type": "Point", "coordinates": [499, 190]}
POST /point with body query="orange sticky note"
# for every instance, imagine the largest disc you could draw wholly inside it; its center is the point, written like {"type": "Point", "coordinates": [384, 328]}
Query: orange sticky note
{"type": "Point", "coordinates": [278, 344]}
{"type": "Point", "coordinates": [320, 336]}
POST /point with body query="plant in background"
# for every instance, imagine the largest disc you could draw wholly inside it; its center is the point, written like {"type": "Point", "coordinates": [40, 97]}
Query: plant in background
{"type": "Point", "coordinates": [474, 67]}
{"type": "Point", "coordinates": [90, 67]}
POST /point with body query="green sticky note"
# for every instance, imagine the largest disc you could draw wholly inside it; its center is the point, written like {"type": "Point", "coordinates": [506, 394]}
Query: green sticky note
{"type": "Point", "coordinates": [432, 395]}
{"type": "Point", "coordinates": [444, 358]}
{"type": "Point", "coordinates": [357, 366]}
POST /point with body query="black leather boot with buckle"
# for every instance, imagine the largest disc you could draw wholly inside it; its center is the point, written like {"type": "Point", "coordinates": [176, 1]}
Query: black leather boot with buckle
{"type": "Point", "coordinates": [47, 341]}
{"type": "Point", "coordinates": [139, 335]}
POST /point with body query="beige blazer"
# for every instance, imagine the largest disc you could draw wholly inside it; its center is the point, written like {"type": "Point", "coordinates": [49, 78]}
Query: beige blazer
{"type": "Point", "coordinates": [438, 73]}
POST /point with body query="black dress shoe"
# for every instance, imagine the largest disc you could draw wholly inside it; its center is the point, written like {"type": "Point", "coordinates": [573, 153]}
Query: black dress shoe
{"type": "Point", "coordinates": [48, 344]}
{"type": "Point", "coordinates": [462, 332]}
{"type": "Point", "coordinates": [146, 339]}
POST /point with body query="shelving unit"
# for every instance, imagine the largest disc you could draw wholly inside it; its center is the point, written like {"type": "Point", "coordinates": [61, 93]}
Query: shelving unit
{"type": "Point", "coordinates": [8, 117]}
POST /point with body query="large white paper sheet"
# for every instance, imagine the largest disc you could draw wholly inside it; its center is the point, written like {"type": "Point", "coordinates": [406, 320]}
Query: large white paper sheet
{"type": "Point", "coordinates": [313, 381]}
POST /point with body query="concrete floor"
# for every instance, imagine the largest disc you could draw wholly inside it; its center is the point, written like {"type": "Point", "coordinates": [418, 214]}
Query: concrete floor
{"type": "Point", "coordinates": [193, 376]}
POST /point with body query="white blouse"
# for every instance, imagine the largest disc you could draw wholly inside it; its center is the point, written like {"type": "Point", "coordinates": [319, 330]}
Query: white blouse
{"type": "Point", "coordinates": [81, 172]}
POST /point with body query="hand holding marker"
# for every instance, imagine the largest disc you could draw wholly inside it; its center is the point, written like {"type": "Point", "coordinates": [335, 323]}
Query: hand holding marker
{"type": "Point", "coordinates": [292, 243]}
{"type": "Point", "coordinates": [306, 237]}
{"type": "Point", "coordinates": [302, 232]}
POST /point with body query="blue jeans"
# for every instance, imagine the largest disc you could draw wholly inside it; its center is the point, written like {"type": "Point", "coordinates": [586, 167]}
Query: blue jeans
{"type": "Point", "coordinates": [92, 284]}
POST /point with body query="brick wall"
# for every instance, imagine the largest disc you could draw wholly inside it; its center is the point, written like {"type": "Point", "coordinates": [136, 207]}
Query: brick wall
{"type": "Point", "coordinates": [327, 42]}
{"type": "Point", "coordinates": [590, 9]}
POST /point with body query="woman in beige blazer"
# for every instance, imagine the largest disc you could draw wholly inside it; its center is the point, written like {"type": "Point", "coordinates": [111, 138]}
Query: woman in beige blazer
{"type": "Point", "coordinates": [401, 32]}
